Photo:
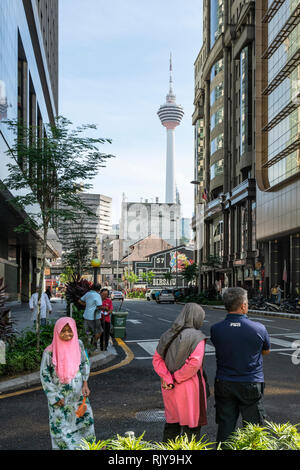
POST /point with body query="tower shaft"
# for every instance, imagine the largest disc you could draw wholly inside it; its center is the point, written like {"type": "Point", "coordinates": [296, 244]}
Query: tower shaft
{"type": "Point", "coordinates": [170, 168]}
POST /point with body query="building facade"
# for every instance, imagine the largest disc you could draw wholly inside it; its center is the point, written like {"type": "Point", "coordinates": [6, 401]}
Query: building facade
{"type": "Point", "coordinates": [28, 91]}
{"type": "Point", "coordinates": [92, 228]}
{"type": "Point", "coordinates": [166, 265]}
{"type": "Point", "coordinates": [141, 219]}
{"type": "Point", "coordinates": [223, 119]}
{"type": "Point", "coordinates": [278, 142]}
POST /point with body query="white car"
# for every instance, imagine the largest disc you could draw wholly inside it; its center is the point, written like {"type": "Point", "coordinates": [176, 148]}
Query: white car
{"type": "Point", "coordinates": [166, 296]}
{"type": "Point", "coordinates": [116, 295]}
{"type": "Point", "coordinates": [150, 294]}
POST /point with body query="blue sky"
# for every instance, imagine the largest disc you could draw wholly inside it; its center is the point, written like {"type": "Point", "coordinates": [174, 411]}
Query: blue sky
{"type": "Point", "coordinates": [114, 72]}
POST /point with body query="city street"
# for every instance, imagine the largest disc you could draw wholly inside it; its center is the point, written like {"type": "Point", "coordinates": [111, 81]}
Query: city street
{"type": "Point", "coordinates": [129, 398]}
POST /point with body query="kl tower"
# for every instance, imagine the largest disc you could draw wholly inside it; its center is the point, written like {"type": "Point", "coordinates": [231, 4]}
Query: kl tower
{"type": "Point", "coordinates": [170, 115]}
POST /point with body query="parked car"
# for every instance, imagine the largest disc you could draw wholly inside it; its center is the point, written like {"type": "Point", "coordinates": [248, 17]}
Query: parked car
{"type": "Point", "coordinates": [166, 296]}
{"type": "Point", "coordinates": [116, 295]}
{"type": "Point", "coordinates": [150, 294]}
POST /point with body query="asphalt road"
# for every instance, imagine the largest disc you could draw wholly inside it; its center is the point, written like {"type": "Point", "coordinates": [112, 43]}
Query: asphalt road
{"type": "Point", "coordinates": [129, 398]}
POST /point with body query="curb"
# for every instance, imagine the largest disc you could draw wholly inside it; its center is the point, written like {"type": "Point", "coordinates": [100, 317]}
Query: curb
{"type": "Point", "coordinates": [29, 380]}
{"type": "Point", "coordinates": [293, 316]}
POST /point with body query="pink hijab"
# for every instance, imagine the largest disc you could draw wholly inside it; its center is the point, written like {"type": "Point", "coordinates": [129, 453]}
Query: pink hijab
{"type": "Point", "coordinates": [66, 355]}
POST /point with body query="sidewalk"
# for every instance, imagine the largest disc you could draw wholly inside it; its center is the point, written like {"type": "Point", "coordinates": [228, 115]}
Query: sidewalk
{"type": "Point", "coordinates": [293, 316]}
{"type": "Point", "coordinates": [21, 315]}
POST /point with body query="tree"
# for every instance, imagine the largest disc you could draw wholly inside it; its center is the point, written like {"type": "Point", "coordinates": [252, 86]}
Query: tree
{"type": "Point", "coordinates": [190, 272]}
{"type": "Point", "coordinates": [50, 165]}
{"type": "Point", "coordinates": [148, 277]}
{"type": "Point", "coordinates": [131, 278]}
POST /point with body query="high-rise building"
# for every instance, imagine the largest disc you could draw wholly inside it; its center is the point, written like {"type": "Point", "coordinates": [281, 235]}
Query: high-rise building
{"type": "Point", "coordinates": [28, 91]}
{"type": "Point", "coordinates": [170, 115]}
{"type": "Point", "coordinates": [278, 142]}
{"type": "Point", "coordinates": [92, 228]}
{"type": "Point", "coordinates": [223, 119]}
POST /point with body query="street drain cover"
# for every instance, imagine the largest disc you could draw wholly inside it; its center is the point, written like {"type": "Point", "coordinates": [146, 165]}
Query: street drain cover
{"type": "Point", "coordinates": [151, 416]}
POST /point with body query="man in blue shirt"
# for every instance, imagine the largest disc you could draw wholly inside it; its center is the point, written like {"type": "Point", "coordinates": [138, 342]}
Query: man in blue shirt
{"type": "Point", "coordinates": [239, 384]}
{"type": "Point", "coordinates": [92, 315]}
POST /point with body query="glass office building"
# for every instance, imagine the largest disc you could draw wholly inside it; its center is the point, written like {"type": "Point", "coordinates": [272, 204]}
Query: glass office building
{"type": "Point", "coordinates": [278, 141]}
{"type": "Point", "coordinates": [28, 91]}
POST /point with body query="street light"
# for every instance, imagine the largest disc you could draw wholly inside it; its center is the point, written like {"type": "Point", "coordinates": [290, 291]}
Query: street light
{"type": "Point", "coordinates": [95, 263]}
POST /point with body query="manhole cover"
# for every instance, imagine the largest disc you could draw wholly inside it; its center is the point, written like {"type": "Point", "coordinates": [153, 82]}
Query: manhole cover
{"type": "Point", "coordinates": [151, 416]}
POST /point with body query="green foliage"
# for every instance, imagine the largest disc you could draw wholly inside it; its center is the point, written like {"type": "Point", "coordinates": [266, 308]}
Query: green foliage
{"type": "Point", "coordinates": [251, 437]}
{"type": "Point", "coordinates": [6, 325]}
{"type": "Point", "coordinates": [130, 443]}
{"type": "Point", "coordinates": [184, 443]}
{"type": "Point", "coordinates": [190, 272]}
{"type": "Point", "coordinates": [269, 437]}
{"type": "Point", "coordinates": [138, 293]}
{"type": "Point", "coordinates": [76, 288]}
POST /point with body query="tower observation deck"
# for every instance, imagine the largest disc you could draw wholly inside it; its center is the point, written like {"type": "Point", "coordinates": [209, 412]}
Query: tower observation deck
{"type": "Point", "coordinates": [170, 115]}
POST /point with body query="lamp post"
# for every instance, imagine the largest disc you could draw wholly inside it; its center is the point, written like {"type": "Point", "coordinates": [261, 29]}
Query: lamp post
{"type": "Point", "coordinates": [176, 252]}
{"type": "Point", "coordinates": [197, 183]}
{"type": "Point", "coordinates": [95, 263]}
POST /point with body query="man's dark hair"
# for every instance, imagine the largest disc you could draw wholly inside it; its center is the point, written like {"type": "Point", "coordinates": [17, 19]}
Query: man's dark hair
{"type": "Point", "coordinates": [233, 298]}
{"type": "Point", "coordinates": [96, 287]}
{"type": "Point", "coordinates": [105, 289]}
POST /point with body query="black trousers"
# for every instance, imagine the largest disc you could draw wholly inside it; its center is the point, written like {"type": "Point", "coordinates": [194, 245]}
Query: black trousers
{"type": "Point", "coordinates": [105, 336]}
{"type": "Point", "coordinates": [233, 399]}
{"type": "Point", "coordinates": [172, 430]}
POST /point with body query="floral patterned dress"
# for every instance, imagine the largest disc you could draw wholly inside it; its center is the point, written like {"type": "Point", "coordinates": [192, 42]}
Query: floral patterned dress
{"type": "Point", "coordinates": [66, 429]}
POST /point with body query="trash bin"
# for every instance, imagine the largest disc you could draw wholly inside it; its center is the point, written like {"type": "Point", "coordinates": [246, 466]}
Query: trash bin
{"type": "Point", "coordinates": [118, 320]}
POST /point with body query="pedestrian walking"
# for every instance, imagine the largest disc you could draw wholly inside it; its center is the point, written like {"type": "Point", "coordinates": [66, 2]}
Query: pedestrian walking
{"type": "Point", "coordinates": [178, 361]}
{"type": "Point", "coordinates": [274, 294]}
{"type": "Point", "coordinates": [64, 374]}
{"type": "Point", "coordinates": [279, 293]}
{"type": "Point", "coordinates": [239, 383]}
{"type": "Point", "coordinates": [106, 311]}
{"type": "Point", "coordinates": [92, 316]}
{"type": "Point", "coordinates": [44, 308]}
{"type": "Point", "coordinates": [48, 292]}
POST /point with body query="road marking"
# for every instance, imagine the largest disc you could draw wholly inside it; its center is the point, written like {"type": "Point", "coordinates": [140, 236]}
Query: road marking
{"type": "Point", "coordinates": [149, 347]}
{"type": "Point", "coordinates": [146, 315]}
{"type": "Point", "coordinates": [140, 340]}
{"type": "Point", "coordinates": [261, 319]}
{"type": "Point", "coordinates": [281, 342]}
{"type": "Point", "coordinates": [168, 321]}
{"type": "Point", "coordinates": [129, 357]}
{"type": "Point", "coordinates": [135, 322]}
{"type": "Point", "coordinates": [143, 358]}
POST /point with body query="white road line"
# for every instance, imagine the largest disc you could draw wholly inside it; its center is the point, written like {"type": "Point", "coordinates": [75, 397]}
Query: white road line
{"type": "Point", "coordinates": [168, 321]}
{"type": "Point", "coordinates": [261, 319]}
{"type": "Point", "coordinates": [149, 347]}
{"type": "Point", "coordinates": [135, 322]}
{"type": "Point", "coordinates": [143, 358]}
{"type": "Point", "coordinates": [146, 315]}
{"type": "Point", "coordinates": [141, 340]}
{"type": "Point", "coordinates": [281, 342]}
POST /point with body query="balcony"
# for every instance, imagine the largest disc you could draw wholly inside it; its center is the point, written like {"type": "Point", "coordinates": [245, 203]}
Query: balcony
{"type": "Point", "coordinates": [245, 190]}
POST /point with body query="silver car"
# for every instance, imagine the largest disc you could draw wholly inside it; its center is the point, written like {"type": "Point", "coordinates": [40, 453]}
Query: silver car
{"type": "Point", "coordinates": [116, 295]}
{"type": "Point", "coordinates": [166, 296]}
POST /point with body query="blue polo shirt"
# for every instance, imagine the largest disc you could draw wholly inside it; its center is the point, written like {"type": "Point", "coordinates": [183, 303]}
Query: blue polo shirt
{"type": "Point", "coordinates": [92, 300]}
{"type": "Point", "coordinates": [239, 343]}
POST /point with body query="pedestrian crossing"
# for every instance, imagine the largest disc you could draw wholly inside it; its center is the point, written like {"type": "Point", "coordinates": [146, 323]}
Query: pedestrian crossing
{"type": "Point", "coordinates": [282, 343]}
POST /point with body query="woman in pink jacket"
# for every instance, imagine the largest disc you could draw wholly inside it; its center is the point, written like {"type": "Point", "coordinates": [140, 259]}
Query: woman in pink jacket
{"type": "Point", "coordinates": [178, 361]}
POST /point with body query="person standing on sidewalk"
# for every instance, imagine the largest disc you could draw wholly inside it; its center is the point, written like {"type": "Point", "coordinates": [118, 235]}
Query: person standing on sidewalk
{"type": "Point", "coordinates": [64, 374]}
{"type": "Point", "coordinates": [178, 361]}
{"type": "Point", "coordinates": [106, 310]}
{"type": "Point", "coordinates": [45, 307]}
{"type": "Point", "coordinates": [92, 302]}
{"type": "Point", "coordinates": [239, 385]}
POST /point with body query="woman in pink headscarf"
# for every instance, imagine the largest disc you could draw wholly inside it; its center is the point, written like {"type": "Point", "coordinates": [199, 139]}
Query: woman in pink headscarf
{"type": "Point", "coordinates": [64, 373]}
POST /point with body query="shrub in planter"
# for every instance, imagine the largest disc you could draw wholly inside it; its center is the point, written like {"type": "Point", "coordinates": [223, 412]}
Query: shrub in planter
{"type": "Point", "coordinates": [76, 289]}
